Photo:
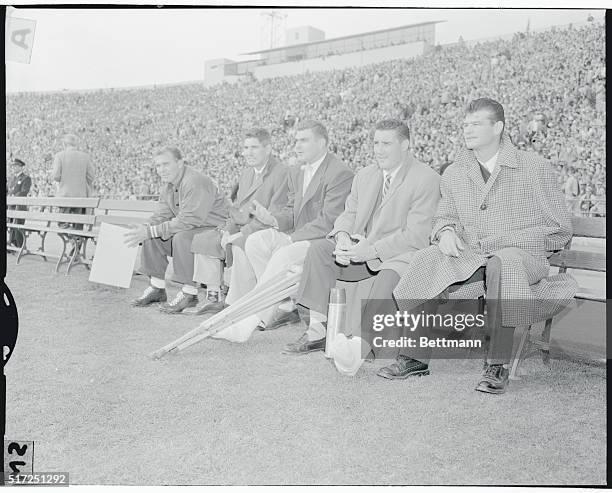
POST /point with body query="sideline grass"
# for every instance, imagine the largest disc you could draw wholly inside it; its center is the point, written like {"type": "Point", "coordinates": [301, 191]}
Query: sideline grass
{"type": "Point", "coordinates": [81, 386]}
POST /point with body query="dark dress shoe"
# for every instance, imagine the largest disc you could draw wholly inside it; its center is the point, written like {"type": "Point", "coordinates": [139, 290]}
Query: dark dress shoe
{"type": "Point", "coordinates": [150, 295]}
{"type": "Point", "coordinates": [403, 368]}
{"type": "Point", "coordinates": [179, 303]}
{"type": "Point", "coordinates": [494, 380]}
{"type": "Point", "coordinates": [304, 346]}
{"type": "Point", "coordinates": [281, 319]}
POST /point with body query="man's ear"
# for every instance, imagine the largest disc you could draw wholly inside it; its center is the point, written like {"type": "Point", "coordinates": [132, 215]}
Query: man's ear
{"type": "Point", "coordinates": [405, 144]}
{"type": "Point", "coordinates": [498, 127]}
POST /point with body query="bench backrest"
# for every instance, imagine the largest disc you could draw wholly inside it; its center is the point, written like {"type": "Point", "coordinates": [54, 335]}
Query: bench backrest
{"type": "Point", "coordinates": [584, 227]}
{"type": "Point", "coordinates": [50, 209]}
{"type": "Point", "coordinates": [125, 211]}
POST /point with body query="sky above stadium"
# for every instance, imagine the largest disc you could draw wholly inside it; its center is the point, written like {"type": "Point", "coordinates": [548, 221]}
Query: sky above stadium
{"type": "Point", "coordinates": [88, 48]}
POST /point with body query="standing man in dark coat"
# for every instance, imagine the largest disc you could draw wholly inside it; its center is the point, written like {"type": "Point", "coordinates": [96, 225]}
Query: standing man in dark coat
{"type": "Point", "coordinates": [74, 171]}
{"type": "Point", "coordinates": [19, 186]}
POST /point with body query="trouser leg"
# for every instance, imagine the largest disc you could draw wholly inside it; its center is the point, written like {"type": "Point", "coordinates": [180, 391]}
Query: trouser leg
{"type": "Point", "coordinates": [154, 257]}
{"type": "Point", "coordinates": [380, 302]}
{"type": "Point", "coordinates": [182, 257]}
{"type": "Point", "coordinates": [319, 276]}
{"type": "Point", "coordinates": [502, 338]}
{"type": "Point", "coordinates": [207, 270]}
{"type": "Point", "coordinates": [281, 261]}
{"type": "Point", "coordinates": [242, 278]}
{"type": "Point", "coordinates": [259, 248]}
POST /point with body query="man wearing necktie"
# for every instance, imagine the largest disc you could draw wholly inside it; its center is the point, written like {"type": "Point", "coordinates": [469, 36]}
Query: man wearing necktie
{"type": "Point", "coordinates": [264, 181]}
{"type": "Point", "coordinates": [317, 192]}
{"type": "Point", "coordinates": [387, 217]}
{"type": "Point", "coordinates": [500, 210]}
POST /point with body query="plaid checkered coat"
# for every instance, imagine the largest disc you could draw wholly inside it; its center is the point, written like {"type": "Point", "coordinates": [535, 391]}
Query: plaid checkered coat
{"type": "Point", "coordinates": [518, 215]}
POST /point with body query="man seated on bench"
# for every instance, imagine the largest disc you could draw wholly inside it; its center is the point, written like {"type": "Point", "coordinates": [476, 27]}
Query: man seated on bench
{"type": "Point", "coordinates": [387, 217]}
{"type": "Point", "coordinates": [263, 182]}
{"type": "Point", "coordinates": [500, 207]}
{"type": "Point", "coordinates": [189, 203]}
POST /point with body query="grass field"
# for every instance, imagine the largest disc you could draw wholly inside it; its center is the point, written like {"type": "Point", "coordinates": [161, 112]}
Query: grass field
{"type": "Point", "coordinates": [81, 386]}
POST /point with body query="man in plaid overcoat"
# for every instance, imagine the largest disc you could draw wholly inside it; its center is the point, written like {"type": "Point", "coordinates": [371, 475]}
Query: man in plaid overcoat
{"type": "Point", "coordinates": [500, 208]}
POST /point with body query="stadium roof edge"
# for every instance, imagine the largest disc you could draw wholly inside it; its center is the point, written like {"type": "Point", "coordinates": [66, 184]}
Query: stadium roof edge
{"type": "Point", "coordinates": [342, 37]}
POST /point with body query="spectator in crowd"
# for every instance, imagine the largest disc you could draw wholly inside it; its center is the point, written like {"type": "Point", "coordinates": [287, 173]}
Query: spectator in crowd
{"type": "Point", "coordinates": [18, 186]}
{"type": "Point", "coordinates": [190, 203]}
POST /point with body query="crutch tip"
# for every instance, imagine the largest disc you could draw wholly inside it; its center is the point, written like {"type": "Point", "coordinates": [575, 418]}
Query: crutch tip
{"type": "Point", "coordinates": [156, 354]}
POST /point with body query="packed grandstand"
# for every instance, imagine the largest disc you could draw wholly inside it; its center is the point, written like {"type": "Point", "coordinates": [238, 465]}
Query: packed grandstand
{"type": "Point", "coordinates": [551, 83]}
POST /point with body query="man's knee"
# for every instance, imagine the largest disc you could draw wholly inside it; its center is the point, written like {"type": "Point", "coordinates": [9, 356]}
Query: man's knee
{"type": "Point", "coordinates": [493, 268]}
{"type": "Point", "coordinates": [182, 238]}
{"type": "Point", "coordinates": [384, 284]}
{"type": "Point", "coordinates": [256, 241]}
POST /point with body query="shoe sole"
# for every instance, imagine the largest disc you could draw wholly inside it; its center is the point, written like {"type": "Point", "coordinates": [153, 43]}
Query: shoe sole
{"type": "Point", "coordinates": [295, 353]}
{"type": "Point", "coordinates": [488, 390]}
{"type": "Point", "coordinates": [170, 312]}
{"type": "Point", "coordinates": [420, 373]}
{"type": "Point", "coordinates": [279, 326]}
{"type": "Point", "coordinates": [136, 305]}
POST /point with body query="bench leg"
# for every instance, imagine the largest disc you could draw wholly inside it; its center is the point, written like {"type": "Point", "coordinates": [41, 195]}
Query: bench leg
{"type": "Point", "coordinates": [23, 250]}
{"type": "Point", "coordinates": [61, 257]}
{"type": "Point", "coordinates": [76, 256]}
{"type": "Point", "coordinates": [76, 247]}
{"type": "Point", "coordinates": [545, 350]}
{"type": "Point", "coordinates": [43, 236]}
{"type": "Point", "coordinates": [519, 353]}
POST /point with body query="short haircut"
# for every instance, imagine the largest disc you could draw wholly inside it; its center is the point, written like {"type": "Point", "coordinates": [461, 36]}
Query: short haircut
{"type": "Point", "coordinates": [401, 129]}
{"type": "Point", "coordinates": [173, 151]}
{"type": "Point", "coordinates": [495, 109]}
{"type": "Point", "coordinates": [261, 134]}
{"type": "Point", "coordinates": [70, 139]}
{"type": "Point", "coordinates": [317, 128]}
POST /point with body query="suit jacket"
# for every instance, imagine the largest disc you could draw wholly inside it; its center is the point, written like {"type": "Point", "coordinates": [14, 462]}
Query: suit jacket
{"type": "Point", "coordinates": [194, 201]}
{"type": "Point", "coordinates": [400, 224]}
{"type": "Point", "coordinates": [75, 173]}
{"type": "Point", "coordinates": [311, 214]}
{"type": "Point", "coordinates": [269, 189]}
{"type": "Point", "coordinates": [518, 215]}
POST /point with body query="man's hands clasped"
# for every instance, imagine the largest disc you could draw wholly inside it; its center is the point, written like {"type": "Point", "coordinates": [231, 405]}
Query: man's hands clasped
{"type": "Point", "coordinates": [353, 248]}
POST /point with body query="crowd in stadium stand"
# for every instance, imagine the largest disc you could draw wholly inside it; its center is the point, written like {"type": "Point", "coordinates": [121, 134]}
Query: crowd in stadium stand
{"type": "Point", "coordinates": [551, 83]}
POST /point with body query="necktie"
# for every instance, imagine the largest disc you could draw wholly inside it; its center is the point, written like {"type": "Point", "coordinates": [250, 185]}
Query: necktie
{"type": "Point", "coordinates": [386, 185]}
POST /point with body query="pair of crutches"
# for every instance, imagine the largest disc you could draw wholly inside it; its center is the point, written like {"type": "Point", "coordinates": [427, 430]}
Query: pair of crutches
{"type": "Point", "coordinates": [263, 296]}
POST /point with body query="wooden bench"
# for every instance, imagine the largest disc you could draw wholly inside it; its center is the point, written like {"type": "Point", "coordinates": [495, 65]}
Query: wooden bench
{"type": "Point", "coordinates": [73, 229]}
{"type": "Point", "coordinates": [120, 212]}
{"type": "Point", "coordinates": [584, 227]}
{"type": "Point", "coordinates": [124, 211]}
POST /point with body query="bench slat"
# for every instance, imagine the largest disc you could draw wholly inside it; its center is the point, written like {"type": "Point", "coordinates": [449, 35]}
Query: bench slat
{"type": "Point", "coordinates": [51, 216]}
{"type": "Point", "coordinates": [576, 259]}
{"type": "Point", "coordinates": [590, 295]}
{"type": "Point", "coordinates": [64, 231]}
{"type": "Point", "coordinates": [128, 205]}
{"type": "Point", "coordinates": [589, 227]}
{"type": "Point", "coordinates": [121, 219]}
{"type": "Point", "coordinates": [82, 202]}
